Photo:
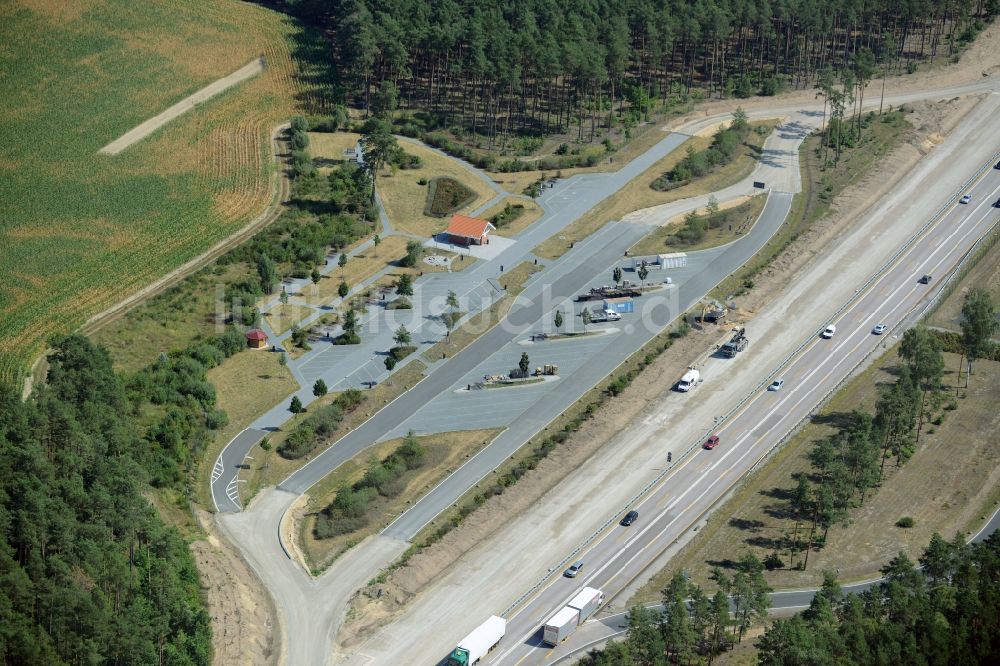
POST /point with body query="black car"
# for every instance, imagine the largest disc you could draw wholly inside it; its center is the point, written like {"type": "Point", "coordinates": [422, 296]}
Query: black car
{"type": "Point", "coordinates": [926, 279]}
{"type": "Point", "coordinates": [997, 165]}
{"type": "Point", "coordinates": [629, 518]}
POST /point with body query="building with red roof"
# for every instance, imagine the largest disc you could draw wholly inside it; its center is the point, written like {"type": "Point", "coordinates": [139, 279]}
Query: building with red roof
{"type": "Point", "coordinates": [256, 339]}
{"type": "Point", "coordinates": [465, 230]}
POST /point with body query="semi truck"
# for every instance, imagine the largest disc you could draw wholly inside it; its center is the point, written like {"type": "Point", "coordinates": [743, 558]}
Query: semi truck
{"type": "Point", "coordinates": [561, 625]}
{"type": "Point", "coordinates": [689, 380]}
{"type": "Point", "coordinates": [476, 645]}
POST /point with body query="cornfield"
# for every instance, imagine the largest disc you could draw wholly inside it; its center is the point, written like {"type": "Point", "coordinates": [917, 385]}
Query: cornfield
{"type": "Point", "coordinates": [82, 231]}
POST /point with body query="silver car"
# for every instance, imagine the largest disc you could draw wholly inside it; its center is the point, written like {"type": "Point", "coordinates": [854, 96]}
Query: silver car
{"type": "Point", "coordinates": [776, 385]}
{"type": "Point", "coordinates": [574, 569]}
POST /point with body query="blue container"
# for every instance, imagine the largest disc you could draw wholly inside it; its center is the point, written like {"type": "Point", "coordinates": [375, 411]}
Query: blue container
{"type": "Point", "coordinates": [619, 305]}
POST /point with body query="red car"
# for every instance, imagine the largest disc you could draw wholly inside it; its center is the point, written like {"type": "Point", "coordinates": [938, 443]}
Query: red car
{"type": "Point", "coordinates": [712, 442]}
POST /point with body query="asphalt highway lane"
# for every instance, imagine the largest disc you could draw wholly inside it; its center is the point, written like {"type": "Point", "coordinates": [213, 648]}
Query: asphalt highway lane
{"type": "Point", "coordinates": [700, 479]}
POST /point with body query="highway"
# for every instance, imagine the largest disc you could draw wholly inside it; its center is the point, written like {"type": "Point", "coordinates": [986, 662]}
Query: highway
{"type": "Point", "coordinates": [695, 483]}
{"type": "Point", "coordinates": [596, 632]}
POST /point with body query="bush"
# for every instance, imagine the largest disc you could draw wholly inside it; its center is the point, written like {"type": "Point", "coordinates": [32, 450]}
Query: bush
{"type": "Point", "coordinates": [773, 562]}
{"type": "Point", "coordinates": [347, 339]}
{"type": "Point", "coordinates": [349, 510]}
{"type": "Point", "coordinates": [400, 303]}
{"type": "Point", "coordinates": [400, 352]}
{"type": "Point", "coordinates": [905, 522]}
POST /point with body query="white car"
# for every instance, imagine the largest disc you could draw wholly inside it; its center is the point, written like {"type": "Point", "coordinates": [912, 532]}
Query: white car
{"type": "Point", "coordinates": [829, 331]}
{"type": "Point", "coordinates": [966, 199]}
{"type": "Point", "coordinates": [879, 329]}
{"type": "Point", "coordinates": [776, 385]}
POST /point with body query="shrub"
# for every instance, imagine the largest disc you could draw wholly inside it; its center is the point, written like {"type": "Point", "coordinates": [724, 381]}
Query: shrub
{"type": "Point", "coordinates": [400, 303]}
{"type": "Point", "coordinates": [773, 562]}
{"type": "Point", "coordinates": [399, 352]}
{"type": "Point", "coordinates": [905, 522]}
{"type": "Point", "coordinates": [347, 339]}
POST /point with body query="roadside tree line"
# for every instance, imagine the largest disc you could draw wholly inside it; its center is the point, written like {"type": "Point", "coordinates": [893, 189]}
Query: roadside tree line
{"type": "Point", "coordinates": [945, 612]}
{"type": "Point", "coordinates": [693, 626]}
{"type": "Point", "coordinates": [849, 464]}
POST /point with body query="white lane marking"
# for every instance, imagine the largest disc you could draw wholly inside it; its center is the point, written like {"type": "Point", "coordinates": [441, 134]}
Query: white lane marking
{"type": "Point", "coordinates": [940, 246]}
{"type": "Point", "coordinates": [233, 492]}
{"type": "Point", "coordinates": [217, 470]}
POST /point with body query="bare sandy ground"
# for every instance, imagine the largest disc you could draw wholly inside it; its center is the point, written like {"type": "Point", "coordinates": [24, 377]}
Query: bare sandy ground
{"type": "Point", "coordinates": [141, 131]}
{"type": "Point", "coordinates": [243, 618]}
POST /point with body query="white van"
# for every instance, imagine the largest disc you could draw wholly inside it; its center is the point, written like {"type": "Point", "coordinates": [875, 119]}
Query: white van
{"type": "Point", "coordinates": [688, 381]}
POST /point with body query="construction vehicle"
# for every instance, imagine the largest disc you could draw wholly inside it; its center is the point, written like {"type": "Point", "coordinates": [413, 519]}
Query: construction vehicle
{"type": "Point", "coordinates": [713, 312]}
{"type": "Point", "coordinates": [689, 380]}
{"type": "Point", "coordinates": [546, 370]}
{"type": "Point", "coordinates": [477, 645]}
{"type": "Point", "coordinates": [561, 625]}
{"type": "Point", "coordinates": [736, 344]}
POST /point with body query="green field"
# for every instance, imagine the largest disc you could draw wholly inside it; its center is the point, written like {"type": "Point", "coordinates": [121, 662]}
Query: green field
{"type": "Point", "coordinates": [82, 231]}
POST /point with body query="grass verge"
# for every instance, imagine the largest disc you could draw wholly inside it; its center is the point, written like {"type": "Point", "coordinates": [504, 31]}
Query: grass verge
{"type": "Point", "coordinates": [271, 382]}
{"type": "Point", "coordinates": [273, 468]}
{"type": "Point", "coordinates": [638, 194]}
{"type": "Point", "coordinates": [735, 220]}
{"type": "Point", "coordinates": [529, 213]}
{"type": "Point", "coordinates": [444, 452]}
{"type": "Point", "coordinates": [404, 197]}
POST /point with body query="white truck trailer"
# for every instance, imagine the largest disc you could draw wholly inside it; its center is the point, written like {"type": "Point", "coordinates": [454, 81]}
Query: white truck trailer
{"type": "Point", "coordinates": [661, 261]}
{"type": "Point", "coordinates": [689, 380]}
{"type": "Point", "coordinates": [476, 645]}
{"type": "Point", "coordinates": [575, 613]}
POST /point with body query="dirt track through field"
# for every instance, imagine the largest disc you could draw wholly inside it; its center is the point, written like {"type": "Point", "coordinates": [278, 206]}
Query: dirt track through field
{"type": "Point", "coordinates": [140, 132]}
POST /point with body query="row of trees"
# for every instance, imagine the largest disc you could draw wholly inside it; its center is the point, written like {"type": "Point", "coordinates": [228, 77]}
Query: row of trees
{"type": "Point", "coordinates": [945, 612]}
{"type": "Point", "coordinates": [89, 574]}
{"type": "Point", "coordinates": [498, 67]}
{"type": "Point", "coordinates": [692, 625]}
{"type": "Point", "coordinates": [848, 464]}
{"type": "Point", "coordinates": [852, 461]}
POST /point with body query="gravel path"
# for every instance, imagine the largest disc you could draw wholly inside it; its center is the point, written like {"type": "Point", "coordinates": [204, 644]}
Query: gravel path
{"type": "Point", "coordinates": [140, 132]}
